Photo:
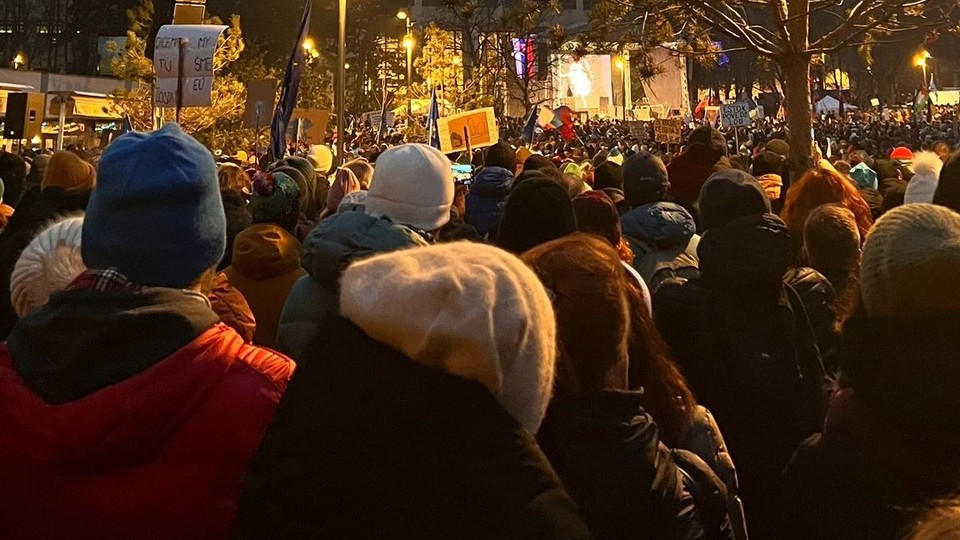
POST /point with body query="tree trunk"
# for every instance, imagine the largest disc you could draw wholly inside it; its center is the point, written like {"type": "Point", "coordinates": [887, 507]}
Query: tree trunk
{"type": "Point", "coordinates": [796, 73]}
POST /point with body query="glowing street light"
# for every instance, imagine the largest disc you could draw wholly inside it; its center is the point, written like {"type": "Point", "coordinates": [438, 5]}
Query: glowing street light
{"type": "Point", "coordinates": [409, 42]}
{"type": "Point", "coordinates": [308, 44]}
{"type": "Point", "coordinates": [621, 65]}
{"type": "Point", "coordinates": [920, 60]}
{"type": "Point", "coordinates": [403, 15]}
{"type": "Point", "coordinates": [19, 61]}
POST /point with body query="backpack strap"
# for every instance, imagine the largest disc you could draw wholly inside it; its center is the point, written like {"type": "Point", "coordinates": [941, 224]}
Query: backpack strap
{"type": "Point", "coordinates": [709, 495]}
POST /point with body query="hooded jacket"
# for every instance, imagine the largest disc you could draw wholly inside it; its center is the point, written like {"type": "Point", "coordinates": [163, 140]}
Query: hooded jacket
{"type": "Point", "coordinates": [331, 247]}
{"type": "Point", "coordinates": [888, 446]}
{"type": "Point", "coordinates": [487, 198]}
{"type": "Point", "coordinates": [369, 444]}
{"type": "Point", "coordinates": [129, 415]}
{"type": "Point", "coordinates": [689, 171]}
{"type": "Point", "coordinates": [739, 340]}
{"type": "Point", "coordinates": [607, 451]}
{"type": "Point", "coordinates": [659, 234]}
{"type": "Point", "coordinates": [266, 264]}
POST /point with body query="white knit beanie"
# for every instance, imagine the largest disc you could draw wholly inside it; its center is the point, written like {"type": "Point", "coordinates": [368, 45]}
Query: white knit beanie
{"type": "Point", "coordinates": [48, 264]}
{"type": "Point", "coordinates": [412, 185]}
{"type": "Point", "coordinates": [471, 310]}
{"type": "Point", "coordinates": [926, 175]}
{"type": "Point", "coordinates": [911, 261]}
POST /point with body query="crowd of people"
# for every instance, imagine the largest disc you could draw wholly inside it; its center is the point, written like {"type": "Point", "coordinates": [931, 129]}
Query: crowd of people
{"type": "Point", "coordinates": [599, 339]}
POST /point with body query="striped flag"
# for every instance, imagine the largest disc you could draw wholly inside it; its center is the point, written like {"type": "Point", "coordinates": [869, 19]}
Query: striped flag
{"type": "Point", "coordinates": [288, 92]}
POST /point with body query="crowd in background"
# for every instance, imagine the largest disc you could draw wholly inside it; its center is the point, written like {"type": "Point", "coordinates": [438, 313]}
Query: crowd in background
{"type": "Point", "coordinates": [601, 338]}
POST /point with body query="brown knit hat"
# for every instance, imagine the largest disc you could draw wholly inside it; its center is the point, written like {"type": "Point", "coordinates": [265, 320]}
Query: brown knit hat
{"type": "Point", "coordinates": [69, 173]}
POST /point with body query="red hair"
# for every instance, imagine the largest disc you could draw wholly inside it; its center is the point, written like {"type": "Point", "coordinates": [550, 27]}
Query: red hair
{"type": "Point", "coordinates": [818, 187]}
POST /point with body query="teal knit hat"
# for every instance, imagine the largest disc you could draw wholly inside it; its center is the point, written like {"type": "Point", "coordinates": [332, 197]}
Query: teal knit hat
{"type": "Point", "coordinates": [275, 199]}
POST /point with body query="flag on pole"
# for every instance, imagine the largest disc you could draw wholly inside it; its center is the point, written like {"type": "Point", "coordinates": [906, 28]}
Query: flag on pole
{"type": "Point", "coordinates": [531, 125]}
{"type": "Point", "coordinates": [433, 119]}
{"type": "Point", "coordinates": [288, 92]}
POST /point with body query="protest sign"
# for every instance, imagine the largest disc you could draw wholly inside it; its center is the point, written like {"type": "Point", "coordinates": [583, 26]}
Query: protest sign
{"type": "Point", "coordinates": [735, 114]}
{"type": "Point", "coordinates": [261, 98]}
{"type": "Point", "coordinates": [183, 61]}
{"type": "Point", "coordinates": [312, 124]}
{"type": "Point", "coordinates": [374, 118]}
{"type": "Point", "coordinates": [668, 130]}
{"type": "Point", "coordinates": [480, 125]}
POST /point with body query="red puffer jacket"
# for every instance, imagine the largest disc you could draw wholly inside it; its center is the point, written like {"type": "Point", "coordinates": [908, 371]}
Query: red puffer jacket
{"type": "Point", "coordinates": [161, 454]}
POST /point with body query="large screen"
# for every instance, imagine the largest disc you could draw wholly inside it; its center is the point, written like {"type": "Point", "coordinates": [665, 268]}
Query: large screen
{"type": "Point", "coordinates": [584, 82]}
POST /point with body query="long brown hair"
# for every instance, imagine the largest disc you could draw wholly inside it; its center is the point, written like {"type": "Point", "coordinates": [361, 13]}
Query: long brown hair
{"type": "Point", "coordinates": [604, 323]}
{"type": "Point", "coordinates": [818, 187]}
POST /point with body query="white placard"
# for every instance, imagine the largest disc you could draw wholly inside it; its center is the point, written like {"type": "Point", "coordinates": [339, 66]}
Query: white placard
{"type": "Point", "coordinates": [197, 42]}
{"type": "Point", "coordinates": [374, 117]}
{"type": "Point", "coordinates": [735, 114]}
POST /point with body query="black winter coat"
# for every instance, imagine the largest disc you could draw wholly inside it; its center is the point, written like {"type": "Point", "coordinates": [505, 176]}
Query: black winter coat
{"type": "Point", "coordinates": [607, 451]}
{"type": "Point", "coordinates": [889, 446]}
{"type": "Point", "coordinates": [820, 301]}
{"type": "Point", "coordinates": [368, 444]}
{"type": "Point", "coordinates": [34, 213]}
{"type": "Point", "coordinates": [748, 358]}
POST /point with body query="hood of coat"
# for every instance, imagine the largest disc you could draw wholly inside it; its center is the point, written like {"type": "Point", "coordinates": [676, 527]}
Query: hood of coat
{"type": "Point", "coordinates": [749, 255]}
{"type": "Point", "coordinates": [492, 183]}
{"type": "Point", "coordinates": [664, 224]}
{"type": "Point", "coordinates": [264, 251]}
{"type": "Point", "coordinates": [344, 237]}
{"type": "Point", "coordinates": [84, 391]}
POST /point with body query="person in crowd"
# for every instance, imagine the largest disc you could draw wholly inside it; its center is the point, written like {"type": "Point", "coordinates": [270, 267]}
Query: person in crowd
{"type": "Point", "coordinates": [491, 185]}
{"type": "Point", "coordinates": [6, 211]}
{"type": "Point", "coordinates": [65, 190]}
{"type": "Point", "coordinates": [232, 307]}
{"type": "Point", "coordinates": [888, 445]}
{"type": "Point", "coordinates": [235, 190]}
{"type": "Point", "coordinates": [276, 199]}
{"type": "Point", "coordinates": [662, 235]}
{"type": "Point", "coordinates": [863, 176]}
{"type": "Point", "coordinates": [596, 214]}
{"type": "Point", "coordinates": [47, 265]}
{"type": "Point", "coordinates": [13, 173]}
{"type": "Point", "coordinates": [926, 174]}
{"type": "Point", "coordinates": [457, 229]}
{"type": "Point", "coordinates": [831, 243]}
{"type": "Point", "coordinates": [742, 338]}
{"type": "Point", "coordinates": [413, 188]}
{"type": "Point", "coordinates": [317, 185]}
{"type": "Point", "coordinates": [608, 178]}
{"type": "Point", "coordinates": [538, 210]}
{"type": "Point", "coordinates": [305, 219]}
{"type": "Point", "coordinates": [321, 157]}
{"type": "Point", "coordinates": [362, 169]}
{"type": "Point", "coordinates": [344, 184]}
{"type": "Point", "coordinates": [818, 187]}
{"type": "Point", "coordinates": [706, 152]}
{"type": "Point", "coordinates": [612, 365]}
{"type": "Point", "coordinates": [415, 412]}
{"type": "Point", "coordinates": [939, 522]}
{"type": "Point", "coordinates": [126, 409]}
{"type": "Point", "coordinates": [948, 186]}
{"type": "Point", "coordinates": [767, 168]}
{"type": "Point", "coordinates": [38, 169]}
{"type": "Point", "coordinates": [266, 264]}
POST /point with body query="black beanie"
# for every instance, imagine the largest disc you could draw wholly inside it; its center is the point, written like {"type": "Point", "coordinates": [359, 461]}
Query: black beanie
{"type": "Point", "coordinates": [645, 179]}
{"type": "Point", "coordinates": [948, 188]}
{"type": "Point", "coordinates": [767, 162]}
{"type": "Point", "coordinates": [501, 155]}
{"type": "Point", "coordinates": [728, 195]}
{"type": "Point", "coordinates": [537, 211]}
{"type": "Point", "coordinates": [709, 136]}
{"type": "Point", "coordinates": [608, 175]}
{"type": "Point", "coordinates": [537, 161]}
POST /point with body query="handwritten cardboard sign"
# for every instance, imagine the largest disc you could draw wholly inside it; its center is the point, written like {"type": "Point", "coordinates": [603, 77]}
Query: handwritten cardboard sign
{"type": "Point", "coordinates": [668, 130]}
{"type": "Point", "coordinates": [193, 45]}
{"type": "Point", "coordinates": [481, 126]}
{"type": "Point", "coordinates": [735, 114]}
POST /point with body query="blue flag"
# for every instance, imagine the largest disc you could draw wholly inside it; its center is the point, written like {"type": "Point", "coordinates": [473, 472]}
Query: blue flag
{"type": "Point", "coordinates": [531, 125]}
{"type": "Point", "coordinates": [288, 92]}
{"type": "Point", "coordinates": [433, 119]}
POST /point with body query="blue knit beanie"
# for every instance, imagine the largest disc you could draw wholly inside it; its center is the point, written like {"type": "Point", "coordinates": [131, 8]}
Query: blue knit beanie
{"type": "Point", "coordinates": [156, 214]}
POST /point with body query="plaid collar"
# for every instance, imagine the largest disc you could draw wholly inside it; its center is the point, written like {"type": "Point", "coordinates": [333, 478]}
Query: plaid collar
{"type": "Point", "coordinates": [109, 279]}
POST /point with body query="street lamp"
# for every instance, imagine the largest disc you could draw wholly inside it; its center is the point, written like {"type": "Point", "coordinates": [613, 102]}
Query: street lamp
{"type": "Point", "coordinates": [622, 65]}
{"type": "Point", "coordinates": [921, 61]}
{"type": "Point", "coordinates": [19, 61]}
{"type": "Point", "coordinates": [408, 43]}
